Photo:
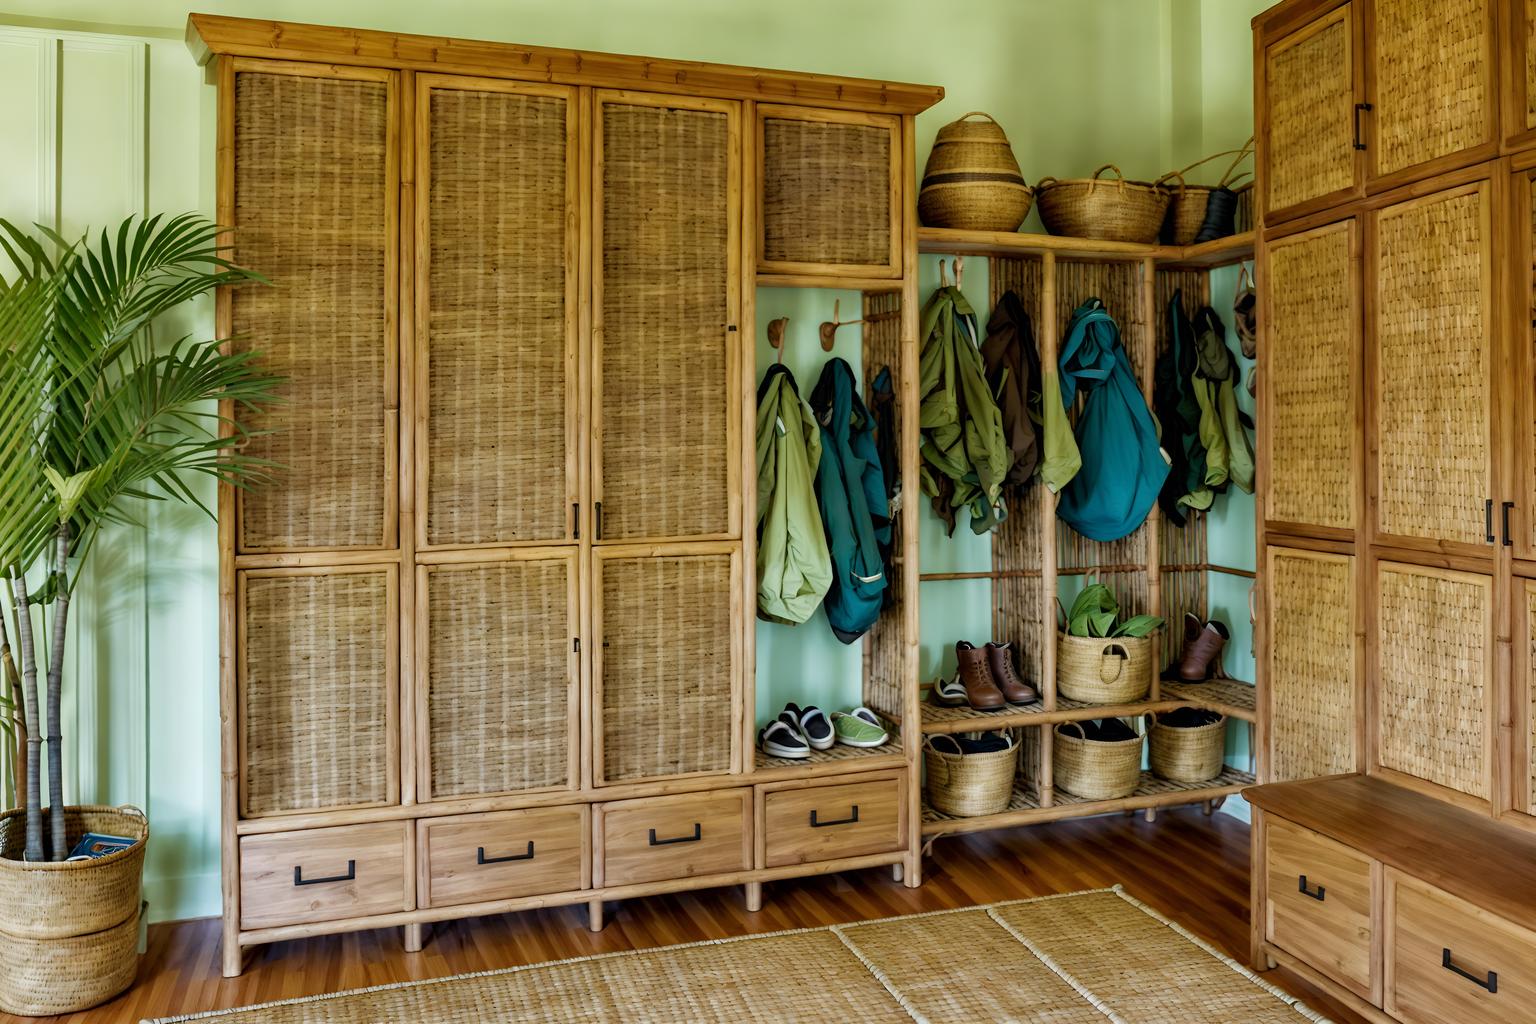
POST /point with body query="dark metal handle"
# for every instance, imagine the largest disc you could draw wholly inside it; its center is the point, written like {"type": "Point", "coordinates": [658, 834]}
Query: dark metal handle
{"type": "Point", "coordinates": [597, 516]}
{"type": "Point", "coordinates": [1508, 541]}
{"type": "Point", "coordinates": [698, 833]}
{"type": "Point", "coordinates": [853, 816]}
{"type": "Point", "coordinates": [299, 879]}
{"type": "Point", "coordinates": [1491, 984]}
{"type": "Point", "coordinates": [1488, 519]}
{"type": "Point", "coordinates": [576, 520]}
{"type": "Point", "coordinates": [1358, 108]}
{"type": "Point", "coordinates": [1301, 887]}
{"type": "Point", "coordinates": [481, 858]}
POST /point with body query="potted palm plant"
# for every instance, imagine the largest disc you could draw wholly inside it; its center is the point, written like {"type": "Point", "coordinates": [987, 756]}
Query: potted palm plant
{"type": "Point", "coordinates": [95, 418]}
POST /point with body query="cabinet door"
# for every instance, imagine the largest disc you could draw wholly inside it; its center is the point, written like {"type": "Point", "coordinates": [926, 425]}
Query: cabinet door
{"type": "Point", "coordinates": [1308, 94]}
{"type": "Point", "coordinates": [666, 236]}
{"type": "Point", "coordinates": [498, 674]}
{"type": "Point", "coordinates": [1311, 664]}
{"type": "Point", "coordinates": [1310, 427]}
{"type": "Point", "coordinates": [315, 198]}
{"type": "Point", "coordinates": [666, 664]}
{"type": "Point", "coordinates": [496, 312]}
{"type": "Point", "coordinates": [1431, 85]}
{"type": "Point", "coordinates": [1433, 678]}
{"type": "Point", "coordinates": [1517, 518]}
{"type": "Point", "coordinates": [1431, 298]}
{"type": "Point", "coordinates": [1518, 99]}
{"type": "Point", "coordinates": [1522, 785]}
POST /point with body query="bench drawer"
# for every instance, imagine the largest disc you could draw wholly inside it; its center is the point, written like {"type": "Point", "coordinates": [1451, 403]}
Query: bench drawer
{"type": "Point", "coordinates": [474, 858]}
{"type": "Point", "coordinates": [1318, 903]}
{"type": "Point", "coordinates": [324, 874]}
{"type": "Point", "coordinates": [816, 823]}
{"type": "Point", "coordinates": [658, 838]}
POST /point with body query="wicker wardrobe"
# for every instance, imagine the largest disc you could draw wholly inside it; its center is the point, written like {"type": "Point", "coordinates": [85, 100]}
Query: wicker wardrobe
{"type": "Point", "coordinates": [489, 644]}
{"type": "Point", "coordinates": [1395, 843]}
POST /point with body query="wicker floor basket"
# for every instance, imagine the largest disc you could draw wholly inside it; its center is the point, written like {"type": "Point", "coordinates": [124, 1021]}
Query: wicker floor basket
{"type": "Point", "coordinates": [1117, 670]}
{"type": "Point", "coordinates": [1109, 210]}
{"type": "Point", "coordinates": [1096, 769]}
{"type": "Point", "coordinates": [972, 181]}
{"type": "Point", "coordinates": [41, 977]}
{"type": "Point", "coordinates": [966, 785]}
{"type": "Point", "coordinates": [1186, 753]}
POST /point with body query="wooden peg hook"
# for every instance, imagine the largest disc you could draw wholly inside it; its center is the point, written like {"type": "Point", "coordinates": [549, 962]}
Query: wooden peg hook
{"type": "Point", "coordinates": [829, 328]}
{"type": "Point", "coordinates": [776, 335]}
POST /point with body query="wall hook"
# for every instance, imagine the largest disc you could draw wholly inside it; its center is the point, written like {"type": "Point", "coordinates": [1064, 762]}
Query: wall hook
{"type": "Point", "coordinates": [829, 329]}
{"type": "Point", "coordinates": [776, 335]}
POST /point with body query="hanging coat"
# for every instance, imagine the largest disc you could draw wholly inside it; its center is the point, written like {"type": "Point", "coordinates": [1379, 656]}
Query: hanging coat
{"type": "Point", "coordinates": [1178, 415]}
{"type": "Point", "coordinates": [794, 568]}
{"type": "Point", "coordinates": [1123, 466]}
{"type": "Point", "coordinates": [1013, 374]}
{"type": "Point", "coordinates": [1222, 429]}
{"type": "Point", "coordinates": [882, 405]}
{"type": "Point", "coordinates": [850, 488]}
{"type": "Point", "coordinates": [965, 452]}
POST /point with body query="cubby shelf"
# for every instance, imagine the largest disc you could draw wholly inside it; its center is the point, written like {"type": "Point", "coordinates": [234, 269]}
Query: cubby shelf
{"type": "Point", "coordinates": [1218, 253]}
{"type": "Point", "coordinates": [838, 758]}
{"type": "Point", "coordinates": [1231, 697]}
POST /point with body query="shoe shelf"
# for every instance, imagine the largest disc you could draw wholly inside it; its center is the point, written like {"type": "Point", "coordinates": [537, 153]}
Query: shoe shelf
{"type": "Point", "coordinates": [1024, 807]}
{"type": "Point", "coordinates": [832, 761]}
{"type": "Point", "coordinates": [1232, 697]}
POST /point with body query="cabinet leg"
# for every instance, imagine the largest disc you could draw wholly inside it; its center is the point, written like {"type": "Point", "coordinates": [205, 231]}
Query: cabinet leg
{"type": "Point", "coordinates": [910, 874]}
{"type": "Point", "coordinates": [754, 893]}
{"type": "Point", "coordinates": [1208, 807]}
{"type": "Point", "coordinates": [234, 956]}
{"type": "Point", "coordinates": [594, 915]}
{"type": "Point", "coordinates": [896, 870]}
{"type": "Point", "coordinates": [415, 935]}
{"type": "Point", "coordinates": [1151, 814]}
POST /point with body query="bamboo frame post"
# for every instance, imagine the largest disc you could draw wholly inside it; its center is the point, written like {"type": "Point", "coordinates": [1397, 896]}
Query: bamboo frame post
{"type": "Point", "coordinates": [1153, 525]}
{"type": "Point", "coordinates": [910, 400]}
{"type": "Point", "coordinates": [1049, 344]}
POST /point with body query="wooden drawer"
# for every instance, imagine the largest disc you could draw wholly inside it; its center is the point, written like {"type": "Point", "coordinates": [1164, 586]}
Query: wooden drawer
{"type": "Point", "coordinates": [325, 874]}
{"type": "Point", "coordinates": [1449, 962]}
{"type": "Point", "coordinates": [1318, 903]}
{"type": "Point", "coordinates": [473, 858]}
{"type": "Point", "coordinates": [801, 823]}
{"type": "Point", "coordinates": [682, 836]}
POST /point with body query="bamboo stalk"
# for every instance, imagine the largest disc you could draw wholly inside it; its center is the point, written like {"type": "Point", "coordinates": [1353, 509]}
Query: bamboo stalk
{"type": "Point", "coordinates": [59, 848]}
{"type": "Point", "coordinates": [34, 847]}
{"type": "Point", "coordinates": [12, 683]}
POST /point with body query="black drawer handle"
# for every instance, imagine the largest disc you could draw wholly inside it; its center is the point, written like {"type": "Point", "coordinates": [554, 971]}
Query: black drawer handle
{"type": "Point", "coordinates": [698, 833]}
{"type": "Point", "coordinates": [1358, 108]}
{"type": "Point", "coordinates": [481, 858]}
{"type": "Point", "coordinates": [1488, 519]}
{"type": "Point", "coordinates": [1491, 984]}
{"type": "Point", "coordinates": [597, 516]}
{"type": "Point", "coordinates": [852, 818]}
{"type": "Point", "coordinates": [1301, 887]}
{"type": "Point", "coordinates": [299, 879]}
{"type": "Point", "coordinates": [1505, 508]}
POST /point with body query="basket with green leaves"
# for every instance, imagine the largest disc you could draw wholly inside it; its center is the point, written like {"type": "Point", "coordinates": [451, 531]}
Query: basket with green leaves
{"type": "Point", "coordinates": [1101, 658]}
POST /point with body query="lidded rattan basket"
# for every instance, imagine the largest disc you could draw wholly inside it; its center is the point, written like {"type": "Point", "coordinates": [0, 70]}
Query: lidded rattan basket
{"type": "Point", "coordinates": [972, 181]}
{"type": "Point", "coordinates": [1186, 753]}
{"type": "Point", "coordinates": [1096, 769]}
{"type": "Point", "coordinates": [966, 785]}
{"type": "Point", "coordinates": [1104, 670]}
{"type": "Point", "coordinates": [1111, 210]}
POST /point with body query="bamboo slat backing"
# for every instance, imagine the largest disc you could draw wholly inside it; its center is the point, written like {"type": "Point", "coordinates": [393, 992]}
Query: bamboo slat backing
{"type": "Point", "coordinates": [497, 339]}
{"type": "Point", "coordinates": [1433, 684]}
{"type": "Point", "coordinates": [499, 671]}
{"type": "Point", "coordinates": [827, 191]}
{"type": "Point", "coordinates": [666, 665]}
{"type": "Point", "coordinates": [884, 663]}
{"type": "Point", "coordinates": [665, 238]}
{"type": "Point", "coordinates": [1311, 100]}
{"type": "Point", "coordinates": [312, 189]}
{"type": "Point", "coordinates": [315, 718]}
{"type": "Point", "coordinates": [1433, 336]}
{"type": "Point", "coordinates": [1312, 375]}
{"type": "Point", "coordinates": [1433, 77]}
{"type": "Point", "coordinates": [1312, 688]}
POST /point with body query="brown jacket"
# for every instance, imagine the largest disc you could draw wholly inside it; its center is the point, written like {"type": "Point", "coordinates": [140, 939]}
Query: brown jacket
{"type": "Point", "coordinates": [1013, 373]}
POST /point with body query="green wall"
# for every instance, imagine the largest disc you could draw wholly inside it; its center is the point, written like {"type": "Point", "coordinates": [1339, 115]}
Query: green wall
{"type": "Point", "coordinates": [106, 115]}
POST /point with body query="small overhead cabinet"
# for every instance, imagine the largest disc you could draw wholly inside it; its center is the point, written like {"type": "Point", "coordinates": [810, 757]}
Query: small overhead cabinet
{"type": "Point", "coordinates": [1519, 99]}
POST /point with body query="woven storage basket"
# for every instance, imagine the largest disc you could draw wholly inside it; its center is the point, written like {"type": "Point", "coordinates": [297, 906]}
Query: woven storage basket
{"type": "Point", "coordinates": [1099, 670]}
{"type": "Point", "coordinates": [1186, 754]}
{"type": "Point", "coordinates": [1186, 204]}
{"type": "Point", "coordinates": [40, 977]}
{"type": "Point", "coordinates": [1114, 211]}
{"type": "Point", "coordinates": [59, 899]}
{"type": "Point", "coordinates": [966, 785]}
{"type": "Point", "coordinates": [972, 181]}
{"type": "Point", "coordinates": [1096, 769]}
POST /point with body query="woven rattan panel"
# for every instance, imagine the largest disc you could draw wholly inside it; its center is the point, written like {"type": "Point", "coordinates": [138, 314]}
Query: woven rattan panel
{"type": "Point", "coordinates": [311, 191]}
{"type": "Point", "coordinates": [315, 691]}
{"type": "Point", "coordinates": [667, 673]}
{"type": "Point", "coordinates": [1433, 64]}
{"type": "Point", "coordinates": [497, 330]}
{"type": "Point", "coordinates": [665, 310]}
{"type": "Point", "coordinates": [826, 192]}
{"type": "Point", "coordinates": [1313, 335]}
{"type": "Point", "coordinates": [1312, 647]}
{"type": "Point", "coordinates": [499, 665]}
{"type": "Point", "coordinates": [1432, 338]}
{"type": "Point", "coordinates": [1311, 99]}
{"type": "Point", "coordinates": [1434, 634]}
{"type": "Point", "coordinates": [1530, 694]}
{"type": "Point", "coordinates": [883, 654]}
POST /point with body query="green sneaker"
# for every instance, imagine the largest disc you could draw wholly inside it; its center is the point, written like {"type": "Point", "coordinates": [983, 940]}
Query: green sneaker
{"type": "Point", "coordinates": [853, 731]}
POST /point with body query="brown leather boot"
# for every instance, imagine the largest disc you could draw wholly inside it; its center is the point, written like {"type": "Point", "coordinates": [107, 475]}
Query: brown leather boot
{"type": "Point", "coordinates": [976, 676]}
{"type": "Point", "coordinates": [1000, 661]}
{"type": "Point", "coordinates": [1203, 641]}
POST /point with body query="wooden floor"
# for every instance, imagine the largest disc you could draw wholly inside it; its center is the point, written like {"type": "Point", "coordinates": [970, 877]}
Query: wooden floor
{"type": "Point", "coordinates": [1192, 868]}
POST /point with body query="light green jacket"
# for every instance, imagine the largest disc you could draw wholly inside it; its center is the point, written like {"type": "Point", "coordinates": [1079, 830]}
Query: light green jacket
{"type": "Point", "coordinates": [794, 567]}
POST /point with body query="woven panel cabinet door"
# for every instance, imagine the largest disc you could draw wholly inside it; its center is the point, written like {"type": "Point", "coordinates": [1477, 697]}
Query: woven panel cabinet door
{"type": "Point", "coordinates": [1523, 780]}
{"type": "Point", "coordinates": [1308, 117]}
{"type": "Point", "coordinates": [665, 671]}
{"type": "Point", "coordinates": [1312, 666]}
{"type": "Point", "coordinates": [666, 294]}
{"type": "Point", "coordinates": [499, 674]}
{"type": "Point", "coordinates": [496, 312]}
{"type": "Point", "coordinates": [1434, 686]}
{"type": "Point", "coordinates": [1519, 98]}
{"type": "Point", "coordinates": [1431, 297]}
{"type": "Point", "coordinates": [316, 207]}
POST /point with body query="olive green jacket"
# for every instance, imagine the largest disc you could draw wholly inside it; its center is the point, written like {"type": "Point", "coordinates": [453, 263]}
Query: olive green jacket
{"type": "Point", "coordinates": [794, 567]}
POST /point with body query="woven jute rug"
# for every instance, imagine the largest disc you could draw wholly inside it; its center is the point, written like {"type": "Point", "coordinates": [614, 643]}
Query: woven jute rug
{"type": "Point", "coordinates": [1077, 958]}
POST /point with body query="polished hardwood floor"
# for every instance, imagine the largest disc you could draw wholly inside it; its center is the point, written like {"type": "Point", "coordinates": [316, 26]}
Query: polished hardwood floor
{"type": "Point", "coordinates": [1192, 868]}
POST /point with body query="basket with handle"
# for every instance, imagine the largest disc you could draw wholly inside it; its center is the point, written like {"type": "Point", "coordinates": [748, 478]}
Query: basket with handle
{"type": "Point", "coordinates": [1114, 210]}
{"type": "Point", "coordinates": [1192, 753]}
{"type": "Point", "coordinates": [966, 785]}
{"type": "Point", "coordinates": [1103, 670]}
{"type": "Point", "coordinates": [1187, 205]}
{"type": "Point", "coordinates": [1096, 769]}
{"type": "Point", "coordinates": [971, 180]}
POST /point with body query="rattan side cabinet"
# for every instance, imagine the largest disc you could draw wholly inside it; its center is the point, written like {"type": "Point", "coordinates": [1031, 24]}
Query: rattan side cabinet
{"type": "Point", "coordinates": [489, 645]}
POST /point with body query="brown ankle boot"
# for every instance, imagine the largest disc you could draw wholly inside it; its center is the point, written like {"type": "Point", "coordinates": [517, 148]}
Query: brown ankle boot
{"type": "Point", "coordinates": [1203, 641]}
{"type": "Point", "coordinates": [976, 676]}
{"type": "Point", "coordinates": [1000, 661]}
